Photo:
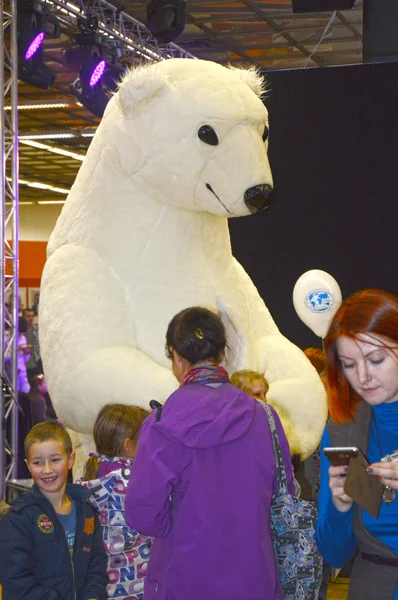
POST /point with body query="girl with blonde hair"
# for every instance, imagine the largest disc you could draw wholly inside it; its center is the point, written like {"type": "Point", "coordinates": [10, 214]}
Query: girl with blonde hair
{"type": "Point", "coordinates": [252, 383]}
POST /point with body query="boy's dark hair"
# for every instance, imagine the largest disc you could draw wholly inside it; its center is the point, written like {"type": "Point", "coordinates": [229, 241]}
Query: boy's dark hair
{"type": "Point", "coordinates": [49, 430]}
{"type": "Point", "coordinates": [197, 334]}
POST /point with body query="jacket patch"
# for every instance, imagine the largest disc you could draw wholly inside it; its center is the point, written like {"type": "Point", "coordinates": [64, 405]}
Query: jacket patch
{"type": "Point", "coordinates": [86, 548]}
{"type": "Point", "coordinates": [89, 526]}
{"type": "Point", "coordinates": [45, 524]}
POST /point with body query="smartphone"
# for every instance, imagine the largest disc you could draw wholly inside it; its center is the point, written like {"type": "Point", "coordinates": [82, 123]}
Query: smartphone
{"type": "Point", "coordinates": [340, 456]}
{"type": "Point", "coordinates": [366, 490]}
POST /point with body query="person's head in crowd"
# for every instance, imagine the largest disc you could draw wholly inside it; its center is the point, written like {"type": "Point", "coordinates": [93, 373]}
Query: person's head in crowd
{"type": "Point", "coordinates": [116, 431]}
{"type": "Point", "coordinates": [49, 457]}
{"type": "Point", "coordinates": [42, 384]}
{"type": "Point", "coordinates": [29, 317]}
{"type": "Point", "coordinates": [22, 325]}
{"type": "Point", "coordinates": [317, 358]}
{"type": "Point", "coordinates": [362, 353]}
{"type": "Point", "coordinates": [252, 383]}
{"type": "Point", "coordinates": [195, 337]}
{"type": "Point", "coordinates": [38, 384]}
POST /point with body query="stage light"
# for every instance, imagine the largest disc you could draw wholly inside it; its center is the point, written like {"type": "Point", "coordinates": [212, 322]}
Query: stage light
{"type": "Point", "coordinates": [166, 19]}
{"type": "Point", "coordinates": [99, 71]}
{"type": "Point", "coordinates": [34, 45]}
{"type": "Point", "coordinates": [47, 136]}
{"type": "Point", "coordinates": [56, 134]}
{"type": "Point", "coordinates": [44, 104]}
{"type": "Point", "coordinates": [53, 149]}
{"type": "Point", "coordinates": [41, 186]}
{"type": "Point", "coordinates": [51, 202]}
{"type": "Point", "coordinates": [34, 24]}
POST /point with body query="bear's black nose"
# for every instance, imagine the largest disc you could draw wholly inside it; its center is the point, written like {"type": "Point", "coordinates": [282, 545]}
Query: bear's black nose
{"type": "Point", "coordinates": [258, 197]}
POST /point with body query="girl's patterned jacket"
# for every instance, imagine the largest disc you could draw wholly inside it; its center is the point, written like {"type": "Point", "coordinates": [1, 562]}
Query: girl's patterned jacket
{"type": "Point", "coordinates": [128, 551]}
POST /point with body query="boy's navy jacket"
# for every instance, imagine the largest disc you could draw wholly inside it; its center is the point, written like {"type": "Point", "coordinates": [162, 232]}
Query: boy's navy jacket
{"type": "Point", "coordinates": [35, 561]}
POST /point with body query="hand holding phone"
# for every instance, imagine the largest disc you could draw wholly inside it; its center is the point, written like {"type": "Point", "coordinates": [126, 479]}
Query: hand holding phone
{"type": "Point", "coordinates": [340, 458]}
{"type": "Point", "coordinates": [365, 490]}
{"type": "Point", "coordinates": [357, 485]}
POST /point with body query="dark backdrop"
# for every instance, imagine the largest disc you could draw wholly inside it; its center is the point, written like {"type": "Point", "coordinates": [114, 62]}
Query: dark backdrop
{"type": "Point", "coordinates": [334, 158]}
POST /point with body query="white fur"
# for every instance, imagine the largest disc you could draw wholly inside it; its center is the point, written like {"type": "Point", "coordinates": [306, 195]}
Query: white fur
{"type": "Point", "coordinates": [141, 237]}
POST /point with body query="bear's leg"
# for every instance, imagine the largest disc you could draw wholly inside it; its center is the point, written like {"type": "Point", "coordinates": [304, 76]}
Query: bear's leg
{"type": "Point", "coordinates": [83, 444]}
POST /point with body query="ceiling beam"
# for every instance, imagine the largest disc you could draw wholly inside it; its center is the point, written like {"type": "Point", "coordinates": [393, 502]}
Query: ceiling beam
{"type": "Point", "coordinates": [214, 37]}
{"type": "Point", "coordinates": [282, 32]}
{"type": "Point", "coordinates": [349, 25]}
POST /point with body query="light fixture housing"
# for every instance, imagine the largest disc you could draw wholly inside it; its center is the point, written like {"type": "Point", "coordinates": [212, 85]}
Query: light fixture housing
{"type": "Point", "coordinates": [34, 24]}
{"type": "Point", "coordinates": [166, 19]}
{"type": "Point", "coordinates": [100, 70]}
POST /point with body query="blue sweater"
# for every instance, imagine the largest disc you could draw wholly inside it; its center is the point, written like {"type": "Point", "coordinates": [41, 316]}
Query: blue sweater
{"type": "Point", "coordinates": [336, 540]}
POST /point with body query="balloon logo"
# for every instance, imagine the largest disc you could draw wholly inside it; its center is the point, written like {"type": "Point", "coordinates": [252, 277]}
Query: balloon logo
{"type": "Point", "coordinates": [316, 299]}
{"type": "Point", "coordinates": [319, 301]}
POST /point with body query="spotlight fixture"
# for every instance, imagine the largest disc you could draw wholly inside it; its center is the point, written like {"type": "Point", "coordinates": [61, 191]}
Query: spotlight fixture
{"type": "Point", "coordinates": [34, 23]}
{"type": "Point", "coordinates": [166, 19]}
{"type": "Point", "coordinates": [99, 71]}
{"type": "Point", "coordinates": [34, 46]}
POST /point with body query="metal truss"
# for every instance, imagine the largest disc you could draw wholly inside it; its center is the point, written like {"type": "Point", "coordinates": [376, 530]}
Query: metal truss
{"type": "Point", "coordinates": [131, 38]}
{"type": "Point", "coordinates": [8, 248]}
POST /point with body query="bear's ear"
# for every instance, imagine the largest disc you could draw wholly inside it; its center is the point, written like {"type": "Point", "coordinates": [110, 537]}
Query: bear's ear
{"type": "Point", "coordinates": [252, 77]}
{"type": "Point", "coordinates": [141, 84]}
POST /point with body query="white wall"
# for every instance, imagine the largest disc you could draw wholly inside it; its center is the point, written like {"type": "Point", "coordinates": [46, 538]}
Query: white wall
{"type": "Point", "coordinates": [37, 221]}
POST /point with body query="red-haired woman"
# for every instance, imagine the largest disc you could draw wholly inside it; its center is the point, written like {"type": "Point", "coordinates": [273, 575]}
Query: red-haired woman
{"type": "Point", "coordinates": [362, 362]}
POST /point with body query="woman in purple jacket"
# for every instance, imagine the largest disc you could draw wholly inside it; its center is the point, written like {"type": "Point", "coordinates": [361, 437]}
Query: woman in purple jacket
{"type": "Point", "coordinates": [203, 478]}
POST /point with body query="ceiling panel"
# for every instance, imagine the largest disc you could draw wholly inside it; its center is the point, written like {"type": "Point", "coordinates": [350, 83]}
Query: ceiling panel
{"type": "Point", "coordinates": [261, 33]}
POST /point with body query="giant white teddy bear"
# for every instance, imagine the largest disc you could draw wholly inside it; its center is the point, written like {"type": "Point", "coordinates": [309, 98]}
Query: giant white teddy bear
{"type": "Point", "coordinates": [144, 233]}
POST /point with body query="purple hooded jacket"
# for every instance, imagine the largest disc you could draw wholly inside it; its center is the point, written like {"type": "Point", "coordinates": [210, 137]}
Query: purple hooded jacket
{"type": "Point", "coordinates": [201, 484]}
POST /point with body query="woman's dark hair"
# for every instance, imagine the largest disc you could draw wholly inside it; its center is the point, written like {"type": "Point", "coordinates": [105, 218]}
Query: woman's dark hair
{"type": "Point", "coordinates": [197, 334]}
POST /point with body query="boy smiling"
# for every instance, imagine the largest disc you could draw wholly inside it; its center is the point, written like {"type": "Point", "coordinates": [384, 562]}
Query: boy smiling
{"type": "Point", "coordinates": [50, 540]}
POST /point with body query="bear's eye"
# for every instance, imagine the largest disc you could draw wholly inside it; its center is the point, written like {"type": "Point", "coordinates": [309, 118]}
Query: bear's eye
{"type": "Point", "coordinates": [265, 134]}
{"type": "Point", "coordinates": [207, 135]}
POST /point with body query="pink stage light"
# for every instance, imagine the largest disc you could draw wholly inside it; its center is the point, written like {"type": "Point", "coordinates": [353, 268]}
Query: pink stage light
{"type": "Point", "coordinates": [97, 73]}
{"type": "Point", "coordinates": [34, 46]}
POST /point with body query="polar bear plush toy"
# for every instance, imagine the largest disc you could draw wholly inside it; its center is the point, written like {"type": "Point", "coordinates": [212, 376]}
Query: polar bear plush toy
{"type": "Point", "coordinates": [144, 234]}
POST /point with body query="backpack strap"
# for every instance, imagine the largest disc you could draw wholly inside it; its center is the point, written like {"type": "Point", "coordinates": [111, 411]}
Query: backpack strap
{"type": "Point", "coordinates": [279, 462]}
{"type": "Point", "coordinates": [155, 405]}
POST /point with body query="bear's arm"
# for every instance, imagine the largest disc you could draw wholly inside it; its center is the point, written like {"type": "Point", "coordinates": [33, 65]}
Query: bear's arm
{"type": "Point", "coordinates": [87, 341]}
{"type": "Point", "coordinates": [296, 391]}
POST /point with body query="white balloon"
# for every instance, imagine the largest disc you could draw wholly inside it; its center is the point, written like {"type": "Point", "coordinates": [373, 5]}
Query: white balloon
{"type": "Point", "coordinates": [316, 298]}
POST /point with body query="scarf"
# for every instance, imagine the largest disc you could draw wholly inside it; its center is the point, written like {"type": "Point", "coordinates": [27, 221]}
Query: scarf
{"type": "Point", "coordinates": [206, 375]}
